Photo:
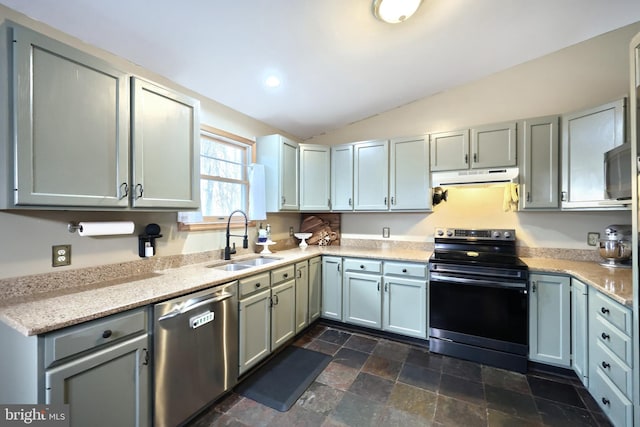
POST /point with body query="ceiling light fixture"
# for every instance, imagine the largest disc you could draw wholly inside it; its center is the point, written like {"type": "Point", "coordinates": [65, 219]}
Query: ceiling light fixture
{"type": "Point", "coordinates": [395, 11]}
{"type": "Point", "coordinates": [272, 81]}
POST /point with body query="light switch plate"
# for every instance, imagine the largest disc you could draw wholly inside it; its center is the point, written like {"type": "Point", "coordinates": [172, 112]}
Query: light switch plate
{"type": "Point", "coordinates": [592, 238]}
{"type": "Point", "coordinates": [385, 232]}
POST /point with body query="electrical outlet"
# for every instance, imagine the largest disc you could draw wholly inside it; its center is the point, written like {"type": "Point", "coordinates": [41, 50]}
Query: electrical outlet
{"type": "Point", "coordinates": [592, 238]}
{"type": "Point", "coordinates": [291, 232]}
{"type": "Point", "coordinates": [60, 255]}
{"type": "Point", "coordinates": [385, 232]}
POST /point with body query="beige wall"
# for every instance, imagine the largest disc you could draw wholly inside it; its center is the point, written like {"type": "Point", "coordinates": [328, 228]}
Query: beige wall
{"type": "Point", "coordinates": [577, 77]}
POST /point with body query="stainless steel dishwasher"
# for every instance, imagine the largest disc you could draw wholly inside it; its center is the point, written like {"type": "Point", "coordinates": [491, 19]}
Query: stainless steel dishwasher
{"type": "Point", "coordinates": [195, 352]}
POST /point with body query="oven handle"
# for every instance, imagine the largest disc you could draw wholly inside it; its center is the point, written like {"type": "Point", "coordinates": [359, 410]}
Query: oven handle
{"type": "Point", "coordinates": [477, 282]}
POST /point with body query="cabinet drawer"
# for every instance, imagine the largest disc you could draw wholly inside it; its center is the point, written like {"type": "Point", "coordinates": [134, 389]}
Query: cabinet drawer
{"type": "Point", "coordinates": [613, 339]}
{"type": "Point", "coordinates": [283, 273]}
{"type": "Point", "coordinates": [254, 284]}
{"type": "Point", "coordinates": [617, 314]}
{"type": "Point", "coordinates": [612, 402]}
{"type": "Point", "coordinates": [404, 269]}
{"type": "Point", "coordinates": [370, 266]}
{"type": "Point", "coordinates": [617, 371]}
{"type": "Point", "coordinates": [76, 339]}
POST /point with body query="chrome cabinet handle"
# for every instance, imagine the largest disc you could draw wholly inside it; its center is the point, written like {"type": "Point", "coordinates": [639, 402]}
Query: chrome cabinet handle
{"type": "Point", "coordinates": [475, 157]}
{"type": "Point", "coordinates": [605, 336]}
{"type": "Point", "coordinates": [533, 286]}
{"type": "Point", "coordinates": [386, 287]}
{"type": "Point", "coordinates": [605, 401]}
{"type": "Point", "coordinates": [604, 310]}
{"type": "Point", "coordinates": [393, 200]}
{"type": "Point", "coordinates": [385, 201]}
{"type": "Point", "coordinates": [605, 365]}
{"type": "Point", "coordinates": [466, 159]}
{"type": "Point", "coordinates": [349, 201]}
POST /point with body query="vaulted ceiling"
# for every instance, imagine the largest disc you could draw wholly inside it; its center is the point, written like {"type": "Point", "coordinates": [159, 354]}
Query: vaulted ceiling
{"type": "Point", "coordinates": [336, 62]}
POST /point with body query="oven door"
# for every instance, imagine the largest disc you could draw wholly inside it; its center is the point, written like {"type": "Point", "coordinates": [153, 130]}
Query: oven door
{"type": "Point", "coordinates": [484, 312]}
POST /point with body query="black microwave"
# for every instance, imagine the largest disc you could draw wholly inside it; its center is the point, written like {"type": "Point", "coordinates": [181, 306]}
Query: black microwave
{"type": "Point", "coordinates": [617, 173]}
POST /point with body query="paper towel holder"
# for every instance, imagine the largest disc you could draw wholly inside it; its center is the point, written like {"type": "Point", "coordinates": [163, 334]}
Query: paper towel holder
{"type": "Point", "coordinates": [73, 227]}
{"type": "Point", "coordinates": [147, 241]}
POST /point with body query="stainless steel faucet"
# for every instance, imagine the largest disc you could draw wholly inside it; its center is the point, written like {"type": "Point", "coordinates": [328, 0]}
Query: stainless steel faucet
{"type": "Point", "coordinates": [228, 251]}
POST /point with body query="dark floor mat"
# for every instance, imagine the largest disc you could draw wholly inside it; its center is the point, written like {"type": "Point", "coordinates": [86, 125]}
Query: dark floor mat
{"type": "Point", "coordinates": [282, 380]}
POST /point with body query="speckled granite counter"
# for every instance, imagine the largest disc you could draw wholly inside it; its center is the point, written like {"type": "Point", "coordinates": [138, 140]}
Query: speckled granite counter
{"type": "Point", "coordinates": [38, 313]}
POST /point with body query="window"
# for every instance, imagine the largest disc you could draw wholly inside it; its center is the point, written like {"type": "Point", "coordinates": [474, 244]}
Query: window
{"type": "Point", "coordinates": [224, 184]}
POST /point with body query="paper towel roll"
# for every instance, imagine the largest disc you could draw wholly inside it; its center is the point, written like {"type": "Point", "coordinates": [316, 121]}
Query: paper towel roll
{"type": "Point", "coordinates": [105, 228]}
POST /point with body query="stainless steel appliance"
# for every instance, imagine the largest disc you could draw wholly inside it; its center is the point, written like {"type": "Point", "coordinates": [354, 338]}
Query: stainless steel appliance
{"type": "Point", "coordinates": [615, 248]}
{"type": "Point", "coordinates": [195, 352]}
{"type": "Point", "coordinates": [478, 298]}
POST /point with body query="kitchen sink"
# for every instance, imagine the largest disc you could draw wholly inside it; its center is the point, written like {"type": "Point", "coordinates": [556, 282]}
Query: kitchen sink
{"type": "Point", "coordinates": [258, 261]}
{"type": "Point", "coordinates": [231, 267]}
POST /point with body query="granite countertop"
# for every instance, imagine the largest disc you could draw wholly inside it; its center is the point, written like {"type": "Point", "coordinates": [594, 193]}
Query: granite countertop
{"type": "Point", "coordinates": [47, 311]}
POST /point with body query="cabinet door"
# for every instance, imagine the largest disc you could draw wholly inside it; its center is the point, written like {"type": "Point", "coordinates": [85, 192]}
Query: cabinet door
{"type": "Point", "coordinates": [579, 330]}
{"type": "Point", "coordinates": [71, 113]}
{"type": "Point", "coordinates": [332, 288]}
{"type": "Point", "coordinates": [449, 150]}
{"type": "Point", "coordinates": [255, 329]}
{"type": "Point", "coordinates": [289, 175]}
{"type": "Point", "coordinates": [493, 145]}
{"type": "Point", "coordinates": [165, 137]}
{"type": "Point", "coordinates": [283, 313]}
{"type": "Point", "coordinates": [106, 388]}
{"type": "Point", "coordinates": [315, 172]}
{"type": "Point", "coordinates": [302, 295]}
{"type": "Point", "coordinates": [549, 320]}
{"type": "Point", "coordinates": [315, 287]}
{"type": "Point", "coordinates": [539, 162]}
{"type": "Point", "coordinates": [342, 177]}
{"type": "Point", "coordinates": [405, 306]}
{"type": "Point", "coordinates": [409, 174]}
{"type": "Point", "coordinates": [586, 136]}
{"type": "Point", "coordinates": [371, 175]}
{"type": "Point", "coordinates": [362, 299]}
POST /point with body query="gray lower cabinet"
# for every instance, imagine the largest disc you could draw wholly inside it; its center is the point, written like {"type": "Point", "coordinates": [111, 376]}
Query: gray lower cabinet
{"type": "Point", "coordinates": [404, 303]}
{"type": "Point", "coordinates": [99, 368]}
{"type": "Point", "coordinates": [362, 292]}
{"type": "Point", "coordinates": [315, 288]}
{"type": "Point", "coordinates": [549, 319]}
{"type": "Point", "coordinates": [579, 330]}
{"type": "Point", "coordinates": [611, 358]}
{"type": "Point", "coordinates": [283, 304]}
{"type": "Point", "coordinates": [332, 288]}
{"type": "Point", "coordinates": [539, 160]}
{"type": "Point", "coordinates": [254, 317]}
{"type": "Point", "coordinates": [302, 295]}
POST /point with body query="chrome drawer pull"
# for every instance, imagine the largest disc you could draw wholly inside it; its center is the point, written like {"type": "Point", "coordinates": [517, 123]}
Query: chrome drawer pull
{"type": "Point", "coordinates": [605, 336]}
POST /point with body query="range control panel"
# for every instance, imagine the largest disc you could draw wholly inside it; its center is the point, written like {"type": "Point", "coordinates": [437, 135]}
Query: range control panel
{"type": "Point", "coordinates": [475, 234]}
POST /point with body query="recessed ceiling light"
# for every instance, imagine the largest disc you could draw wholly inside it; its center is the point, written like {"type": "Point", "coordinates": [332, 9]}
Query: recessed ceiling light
{"type": "Point", "coordinates": [395, 11]}
{"type": "Point", "coordinates": [272, 81]}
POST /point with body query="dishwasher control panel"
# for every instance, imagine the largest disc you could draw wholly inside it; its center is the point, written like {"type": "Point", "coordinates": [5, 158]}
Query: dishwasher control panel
{"type": "Point", "coordinates": [201, 319]}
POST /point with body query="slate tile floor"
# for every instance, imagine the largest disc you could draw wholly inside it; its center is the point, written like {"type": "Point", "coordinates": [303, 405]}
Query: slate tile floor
{"type": "Point", "coordinates": [374, 381]}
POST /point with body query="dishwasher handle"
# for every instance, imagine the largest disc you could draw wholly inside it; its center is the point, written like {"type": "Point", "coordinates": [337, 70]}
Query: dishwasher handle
{"type": "Point", "coordinates": [181, 310]}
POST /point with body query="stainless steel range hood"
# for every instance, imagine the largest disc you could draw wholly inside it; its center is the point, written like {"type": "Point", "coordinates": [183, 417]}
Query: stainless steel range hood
{"type": "Point", "coordinates": [475, 177]}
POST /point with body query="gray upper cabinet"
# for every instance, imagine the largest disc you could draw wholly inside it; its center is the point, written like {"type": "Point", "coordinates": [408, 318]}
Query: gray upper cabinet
{"type": "Point", "coordinates": [539, 146]}
{"type": "Point", "coordinates": [71, 116]}
{"type": "Point", "coordinates": [315, 177]}
{"type": "Point", "coordinates": [586, 136]}
{"type": "Point", "coordinates": [72, 123]}
{"type": "Point", "coordinates": [493, 145]}
{"type": "Point", "coordinates": [165, 137]}
{"type": "Point", "coordinates": [449, 150]}
{"type": "Point", "coordinates": [342, 177]}
{"type": "Point", "coordinates": [481, 147]}
{"type": "Point", "coordinates": [409, 174]}
{"type": "Point", "coordinates": [371, 180]}
{"type": "Point", "coordinates": [279, 155]}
